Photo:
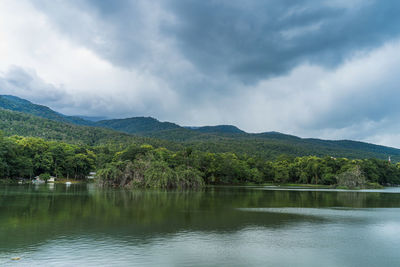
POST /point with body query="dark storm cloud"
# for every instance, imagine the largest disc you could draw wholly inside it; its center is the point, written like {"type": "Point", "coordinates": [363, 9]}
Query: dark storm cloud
{"type": "Point", "coordinates": [116, 30]}
{"type": "Point", "coordinates": [249, 40]}
{"type": "Point", "coordinates": [263, 38]}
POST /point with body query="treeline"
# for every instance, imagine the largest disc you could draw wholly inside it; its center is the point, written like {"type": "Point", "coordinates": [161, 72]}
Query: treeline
{"type": "Point", "coordinates": [27, 157]}
{"type": "Point", "coordinates": [138, 165]}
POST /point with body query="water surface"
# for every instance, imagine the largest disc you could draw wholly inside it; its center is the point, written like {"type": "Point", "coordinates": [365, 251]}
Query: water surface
{"type": "Point", "coordinates": [81, 225]}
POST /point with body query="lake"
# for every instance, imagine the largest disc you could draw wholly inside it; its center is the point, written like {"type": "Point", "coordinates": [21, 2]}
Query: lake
{"type": "Point", "coordinates": [82, 225]}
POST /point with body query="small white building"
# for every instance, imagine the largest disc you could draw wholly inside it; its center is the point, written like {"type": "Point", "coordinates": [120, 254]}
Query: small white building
{"type": "Point", "coordinates": [92, 175]}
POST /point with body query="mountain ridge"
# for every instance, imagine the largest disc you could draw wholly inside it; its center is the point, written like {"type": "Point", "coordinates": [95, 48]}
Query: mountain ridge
{"type": "Point", "coordinates": [15, 103]}
{"type": "Point", "coordinates": [219, 138]}
{"type": "Point", "coordinates": [137, 125]}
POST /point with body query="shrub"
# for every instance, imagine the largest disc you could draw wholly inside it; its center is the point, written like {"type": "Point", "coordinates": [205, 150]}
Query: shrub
{"type": "Point", "coordinates": [44, 176]}
{"type": "Point", "coordinates": [352, 178]}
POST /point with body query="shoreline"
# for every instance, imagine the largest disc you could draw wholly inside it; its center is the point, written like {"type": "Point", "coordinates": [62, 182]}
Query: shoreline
{"type": "Point", "coordinates": [294, 185]}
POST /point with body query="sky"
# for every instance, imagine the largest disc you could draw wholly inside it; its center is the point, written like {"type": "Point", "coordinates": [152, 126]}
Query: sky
{"type": "Point", "coordinates": [311, 68]}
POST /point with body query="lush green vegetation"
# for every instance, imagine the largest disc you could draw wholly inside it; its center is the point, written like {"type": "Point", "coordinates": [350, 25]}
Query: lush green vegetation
{"type": "Point", "coordinates": [169, 156]}
{"type": "Point", "coordinates": [22, 157]}
{"type": "Point", "coordinates": [228, 168]}
{"type": "Point", "coordinates": [215, 139]}
{"type": "Point", "coordinates": [267, 146]}
{"type": "Point", "coordinates": [137, 125]}
{"type": "Point", "coordinates": [138, 165]}
{"type": "Point", "coordinates": [21, 124]}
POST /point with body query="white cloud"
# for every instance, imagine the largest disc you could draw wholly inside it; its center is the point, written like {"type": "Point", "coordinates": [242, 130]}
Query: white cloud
{"type": "Point", "coordinates": [92, 84]}
{"type": "Point", "coordinates": [356, 100]}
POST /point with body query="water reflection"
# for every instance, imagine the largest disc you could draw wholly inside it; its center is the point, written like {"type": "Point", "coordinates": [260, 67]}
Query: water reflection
{"type": "Point", "coordinates": [231, 225]}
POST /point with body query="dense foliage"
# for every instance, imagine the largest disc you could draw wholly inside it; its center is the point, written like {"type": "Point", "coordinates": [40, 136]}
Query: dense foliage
{"type": "Point", "coordinates": [22, 157]}
{"type": "Point", "coordinates": [21, 124]}
{"type": "Point", "coordinates": [146, 166]}
{"type": "Point", "coordinates": [266, 146]}
{"type": "Point", "coordinates": [216, 139]}
{"type": "Point", "coordinates": [167, 155]}
{"type": "Point", "coordinates": [138, 165]}
{"type": "Point", "coordinates": [137, 125]}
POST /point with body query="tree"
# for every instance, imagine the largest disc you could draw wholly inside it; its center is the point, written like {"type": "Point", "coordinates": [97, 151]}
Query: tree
{"type": "Point", "coordinates": [352, 178]}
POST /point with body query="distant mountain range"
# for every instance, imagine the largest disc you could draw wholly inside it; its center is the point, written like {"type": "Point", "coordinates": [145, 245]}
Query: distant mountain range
{"type": "Point", "coordinates": [22, 117]}
{"type": "Point", "coordinates": [91, 118]}
{"type": "Point", "coordinates": [137, 125]}
{"type": "Point", "coordinates": [18, 104]}
{"type": "Point", "coordinates": [217, 129]}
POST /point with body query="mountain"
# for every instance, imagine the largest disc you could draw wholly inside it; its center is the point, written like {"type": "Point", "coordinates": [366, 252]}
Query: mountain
{"type": "Point", "coordinates": [24, 118]}
{"type": "Point", "coordinates": [137, 125]}
{"type": "Point", "coordinates": [218, 129]}
{"type": "Point", "coordinates": [151, 127]}
{"type": "Point", "coordinates": [18, 104]}
{"type": "Point", "coordinates": [91, 118]}
{"type": "Point", "coordinates": [22, 124]}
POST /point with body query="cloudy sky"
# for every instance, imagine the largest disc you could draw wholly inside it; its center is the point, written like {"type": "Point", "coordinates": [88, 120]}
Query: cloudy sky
{"type": "Point", "coordinates": [312, 68]}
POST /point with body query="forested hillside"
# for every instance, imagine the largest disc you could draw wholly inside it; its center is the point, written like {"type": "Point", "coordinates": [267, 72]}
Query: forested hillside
{"type": "Point", "coordinates": [18, 104]}
{"type": "Point", "coordinates": [17, 123]}
{"type": "Point", "coordinates": [222, 138]}
{"type": "Point", "coordinates": [227, 129]}
{"type": "Point", "coordinates": [137, 125]}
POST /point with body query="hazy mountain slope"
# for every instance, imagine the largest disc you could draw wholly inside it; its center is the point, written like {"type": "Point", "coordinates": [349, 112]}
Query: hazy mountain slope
{"type": "Point", "coordinates": [151, 127]}
{"type": "Point", "coordinates": [18, 104]}
{"type": "Point", "coordinates": [137, 125]}
{"type": "Point", "coordinates": [91, 118]}
{"type": "Point", "coordinates": [223, 129]}
{"type": "Point", "coordinates": [17, 123]}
